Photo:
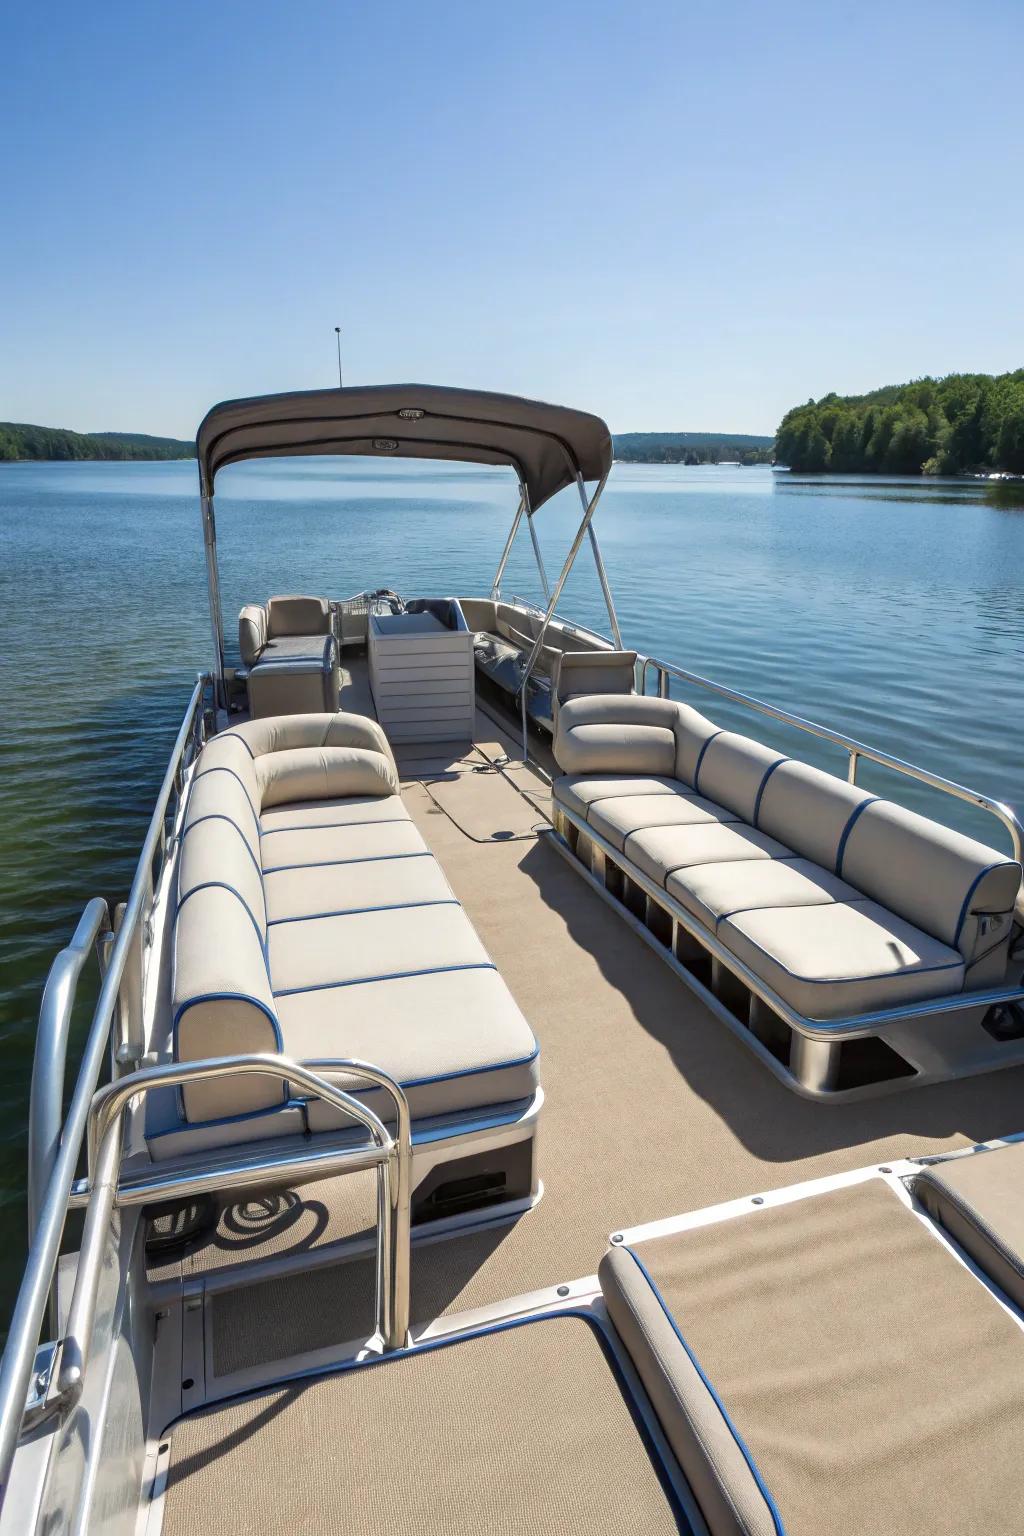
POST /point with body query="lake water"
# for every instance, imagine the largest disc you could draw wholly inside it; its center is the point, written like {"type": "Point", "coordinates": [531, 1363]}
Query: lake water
{"type": "Point", "coordinates": [891, 610]}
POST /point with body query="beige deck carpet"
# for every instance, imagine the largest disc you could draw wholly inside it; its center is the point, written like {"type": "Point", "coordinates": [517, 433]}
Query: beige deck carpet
{"type": "Point", "coordinates": [878, 1385]}
{"type": "Point", "coordinates": [652, 1108]}
{"type": "Point", "coordinates": [524, 1430]}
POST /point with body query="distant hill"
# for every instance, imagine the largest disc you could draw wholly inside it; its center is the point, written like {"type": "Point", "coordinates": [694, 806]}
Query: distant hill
{"type": "Point", "coordinates": [21, 441]}
{"type": "Point", "coordinates": [692, 447]}
{"type": "Point", "coordinates": [965, 423]}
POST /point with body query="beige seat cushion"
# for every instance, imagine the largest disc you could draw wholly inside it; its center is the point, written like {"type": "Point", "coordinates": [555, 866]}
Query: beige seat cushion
{"type": "Point", "coordinates": [843, 958]}
{"type": "Point", "coordinates": [318, 890]}
{"type": "Point", "coordinates": [333, 813]}
{"type": "Point", "coordinates": [826, 1368]}
{"type": "Point", "coordinates": [287, 849]}
{"type": "Point", "coordinates": [733, 770]}
{"type": "Point", "coordinates": [935, 877]}
{"type": "Point", "coordinates": [617, 733]}
{"type": "Point", "coordinates": [579, 791]}
{"type": "Point", "coordinates": [619, 818]}
{"type": "Point", "coordinates": [715, 891]}
{"type": "Point", "coordinates": [660, 850]}
{"type": "Point", "coordinates": [455, 1040]}
{"type": "Point", "coordinates": [809, 809]}
{"type": "Point", "coordinates": [979, 1199]}
{"type": "Point", "coordinates": [333, 951]}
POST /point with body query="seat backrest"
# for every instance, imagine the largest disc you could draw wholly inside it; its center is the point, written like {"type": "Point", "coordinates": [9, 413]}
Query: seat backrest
{"type": "Point", "coordinates": [480, 614]}
{"type": "Point", "coordinates": [959, 890]}
{"type": "Point", "coordinates": [252, 633]}
{"type": "Point", "coordinates": [298, 616]}
{"type": "Point", "coordinates": [223, 1003]}
{"type": "Point", "coordinates": [616, 733]}
{"type": "Point", "coordinates": [732, 770]}
{"type": "Point", "coordinates": [578, 672]}
{"type": "Point", "coordinates": [808, 809]}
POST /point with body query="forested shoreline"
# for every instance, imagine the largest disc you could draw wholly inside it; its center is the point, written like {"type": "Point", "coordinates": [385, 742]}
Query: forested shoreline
{"type": "Point", "coordinates": [18, 441]}
{"type": "Point", "coordinates": [965, 423]}
{"type": "Point", "coordinates": [692, 448]}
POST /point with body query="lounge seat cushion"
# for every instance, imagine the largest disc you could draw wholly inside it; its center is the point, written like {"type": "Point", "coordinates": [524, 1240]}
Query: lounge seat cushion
{"type": "Point", "coordinates": [309, 846]}
{"type": "Point", "coordinates": [805, 1390]}
{"type": "Point", "coordinates": [323, 927]}
{"type": "Point", "coordinates": [842, 958]}
{"type": "Point", "coordinates": [660, 850]}
{"type": "Point", "coordinates": [979, 1199]}
{"type": "Point", "coordinates": [454, 1039]}
{"type": "Point", "coordinates": [621, 817]}
{"type": "Point", "coordinates": [938, 878]}
{"type": "Point", "coordinates": [716, 891]}
{"type": "Point", "coordinates": [355, 885]}
{"type": "Point", "coordinates": [579, 791]}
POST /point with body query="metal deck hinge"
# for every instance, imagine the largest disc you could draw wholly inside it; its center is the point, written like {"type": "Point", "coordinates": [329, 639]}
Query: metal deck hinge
{"type": "Point", "coordinates": [43, 1400]}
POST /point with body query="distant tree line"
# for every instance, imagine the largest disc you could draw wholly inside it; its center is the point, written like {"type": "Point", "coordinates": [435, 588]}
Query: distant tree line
{"type": "Point", "coordinates": [964, 423]}
{"type": "Point", "coordinates": [692, 448]}
{"type": "Point", "coordinates": [19, 441]}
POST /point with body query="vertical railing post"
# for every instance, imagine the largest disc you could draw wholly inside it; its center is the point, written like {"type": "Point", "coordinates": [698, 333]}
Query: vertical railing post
{"type": "Point", "coordinates": [570, 560]}
{"type": "Point", "coordinates": [499, 573]}
{"type": "Point", "coordinates": [213, 591]}
{"type": "Point", "coordinates": [602, 574]}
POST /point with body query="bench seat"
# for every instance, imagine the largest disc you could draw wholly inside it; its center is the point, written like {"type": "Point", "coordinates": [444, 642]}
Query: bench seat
{"type": "Point", "coordinates": [840, 902]}
{"type": "Point", "coordinates": [314, 921]}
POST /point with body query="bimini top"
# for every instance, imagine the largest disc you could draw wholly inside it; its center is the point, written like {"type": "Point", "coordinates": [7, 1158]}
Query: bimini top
{"type": "Point", "coordinates": [547, 445]}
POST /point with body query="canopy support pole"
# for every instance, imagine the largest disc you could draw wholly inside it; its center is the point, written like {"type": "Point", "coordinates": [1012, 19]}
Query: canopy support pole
{"type": "Point", "coordinates": [570, 560]}
{"type": "Point", "coordinates": [213, 590]}
{"type": "Point", "coordinates": [602, 574]}
{"type": "Point", "coordinates": [499, 573]}
{"type": "Point", "coordinates": [545, 585]}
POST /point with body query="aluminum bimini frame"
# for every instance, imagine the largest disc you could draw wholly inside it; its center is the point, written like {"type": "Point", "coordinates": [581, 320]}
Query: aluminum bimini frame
{"type": "Point", "coordinates": [549, 447]}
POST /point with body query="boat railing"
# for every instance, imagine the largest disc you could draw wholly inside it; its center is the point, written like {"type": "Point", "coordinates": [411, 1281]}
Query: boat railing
{"type": "Point", "coordinates": [116, 1029]}
{"type": "Point", "coordinates": [390, 1155]}
{"type": "Point", "coordinates": [856, 751]}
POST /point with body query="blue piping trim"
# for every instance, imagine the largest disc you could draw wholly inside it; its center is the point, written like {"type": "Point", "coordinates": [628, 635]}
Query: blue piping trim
{"type": "Point", "coordinates": [427, 970]}
{"type": "Point", "coordinates": [761, 787]}
{"type": "Point", "coordinates": [642, 1415]}
{"type": "Point", "coordinates": [222, 885]}
{"type": "Point", "coordinates": [329, 826]}
{"type": "Point", "coordinates": [741, 1444]}
{"type": "Point", "coordinates": [205, 772]}
{"type": "Point", "coordinates": [375, 858]}
{"type": "Point", "coordinates": [445, 1077]}
{"type": "Point", "coordinates": [234, 736]}
{"type": "Point", "coordinates": [858, 811]}
{"type": "Point", "coordinates": [390, 906]}
{"type": "Point", "coordinates": [700, 759]}
{"type": "Point", "coordinates": [220, 816]}
{"type": "Point", "coordinates": [970, 892]}
{"type": "Point", "coordinates": [252, 1114]}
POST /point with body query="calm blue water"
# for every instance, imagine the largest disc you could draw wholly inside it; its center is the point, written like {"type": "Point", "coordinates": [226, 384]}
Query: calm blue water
{"type": "Point", "coordinates": [891, 610]}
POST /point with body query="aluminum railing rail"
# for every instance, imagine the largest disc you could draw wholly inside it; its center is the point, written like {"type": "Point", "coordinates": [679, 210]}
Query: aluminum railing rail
{"type": "Point", "coordinates": [49, 1062]}
{"type": "Point", "coordinates": [30, 1309]}
{"type": "Point", "coordinates": [391, 1156]}
{"type": "Point", "coordinates": [855, 749]}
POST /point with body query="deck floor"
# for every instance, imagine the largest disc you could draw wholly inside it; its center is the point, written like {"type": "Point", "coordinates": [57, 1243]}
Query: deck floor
{"type": "Point", "coordinates": [651, 1106]}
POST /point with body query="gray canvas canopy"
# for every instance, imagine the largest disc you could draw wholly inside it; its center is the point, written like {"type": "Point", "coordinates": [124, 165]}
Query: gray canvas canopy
{"type": "Point", "coordinates": [549, 446]}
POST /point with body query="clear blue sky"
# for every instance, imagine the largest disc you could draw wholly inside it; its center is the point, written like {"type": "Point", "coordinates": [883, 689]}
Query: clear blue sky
{"type": "Point", "coordinates": [682, 215]}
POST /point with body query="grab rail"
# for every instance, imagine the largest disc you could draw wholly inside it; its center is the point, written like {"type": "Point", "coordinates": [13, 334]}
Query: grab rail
{"type": "Point", "coordinates": [46, 1098]}
{"type": "Point", "coordinates": [392, 1158]}
{"type": "Point", "coordinates": [49, 1063]}
{"type": "Point", "coordinates": [31, 1306]}
{"type": "Point", "coordinates": [855, 749]}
